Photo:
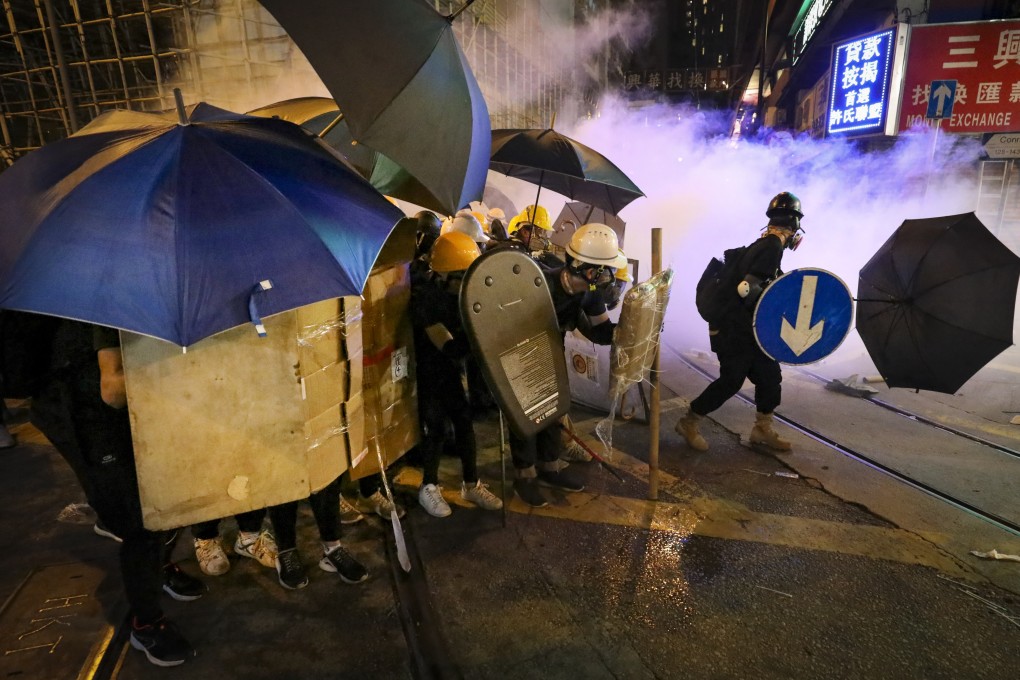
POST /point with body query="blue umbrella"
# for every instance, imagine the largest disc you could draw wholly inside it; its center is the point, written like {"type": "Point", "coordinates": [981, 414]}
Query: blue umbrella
{"type": "Point", "coordinates": [182, 228]}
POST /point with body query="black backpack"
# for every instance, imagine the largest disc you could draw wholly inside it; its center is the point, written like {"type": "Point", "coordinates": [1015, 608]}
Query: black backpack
{"type": "Point", "coordinates": [716, 291]}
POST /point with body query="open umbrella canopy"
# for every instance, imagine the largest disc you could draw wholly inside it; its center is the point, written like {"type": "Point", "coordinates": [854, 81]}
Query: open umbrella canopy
{"type": "Point", "coordinates": [557, 162]}
{"type": "Point", "coordinates": [321, 116]}
{"type": "Point", "coordinates": [395, 69]}
{"type": "Point", "coordinates": [575, 215]}
{"type": "Point", "coordinates": [936, 302]}
{"type": "Point", "coordinates": [145, 224]}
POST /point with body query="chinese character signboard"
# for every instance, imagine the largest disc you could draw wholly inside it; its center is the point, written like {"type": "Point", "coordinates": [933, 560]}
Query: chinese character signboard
{"type": "Point", "coordinates": [983, 57]}
{"type": "Point", "coordinates": [809, 22]}
{"type": "Point", "coordinates": [861, 84]}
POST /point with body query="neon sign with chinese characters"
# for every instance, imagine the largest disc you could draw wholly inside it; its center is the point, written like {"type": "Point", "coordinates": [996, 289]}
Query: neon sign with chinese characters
{"type": "Point", "coordinates": [809, 20]}
{"type": "Point", "coordinates": [859, 90]}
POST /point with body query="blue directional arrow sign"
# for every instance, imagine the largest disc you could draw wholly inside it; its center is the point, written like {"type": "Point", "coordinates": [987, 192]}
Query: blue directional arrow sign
{"type": "Point", "coordinates": [941, 96]}
{"type": "Point", "coordinates": [803, 316]}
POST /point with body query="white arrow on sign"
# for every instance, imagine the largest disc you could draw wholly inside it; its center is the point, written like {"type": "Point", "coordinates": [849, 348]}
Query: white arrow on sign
{"type": "Point", "coordinates": [941, 93]}
{"type": "Point", "coordinates": [800, 337]}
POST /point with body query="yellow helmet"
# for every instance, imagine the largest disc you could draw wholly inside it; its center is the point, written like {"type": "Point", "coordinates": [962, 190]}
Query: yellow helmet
{"type": "Point", "coordinates": [453, 252]}
{"type": "Point", "coordinates": [538, 216]}
{"type": "Point", "coordinates": [622, 269]}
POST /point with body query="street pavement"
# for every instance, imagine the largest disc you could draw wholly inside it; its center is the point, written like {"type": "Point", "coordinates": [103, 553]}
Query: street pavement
{"type": "Point", "coordinates": [735, 572]}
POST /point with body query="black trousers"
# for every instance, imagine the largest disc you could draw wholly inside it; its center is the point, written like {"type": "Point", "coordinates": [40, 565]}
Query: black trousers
{"type": "Point", "coordinates": [546, 446]}
{"type": "Point", "coordinates": [95, 440]}
{"type": "Point", "coordinates": [441, 400]}
{"type": "Point", "coordinates": [736, 364]}
{"type": "Point", "coordinates": [326, 508]}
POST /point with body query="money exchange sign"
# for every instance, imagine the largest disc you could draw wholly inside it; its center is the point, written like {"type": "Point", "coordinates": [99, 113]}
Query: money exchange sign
{"type": "Point", "coordinates": [983, 57]}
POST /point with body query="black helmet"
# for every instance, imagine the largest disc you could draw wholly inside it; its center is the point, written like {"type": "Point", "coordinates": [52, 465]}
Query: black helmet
{"type": "Point", "coordinates": [784, 204]}
{"type": "Point", "coordinates": [429, 226]}
{"type": "Point", "coordinates": [429, 222]}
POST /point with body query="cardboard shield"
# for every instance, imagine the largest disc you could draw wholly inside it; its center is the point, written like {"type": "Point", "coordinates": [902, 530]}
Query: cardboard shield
{"type": "Point", "coordinates": [508, 315]}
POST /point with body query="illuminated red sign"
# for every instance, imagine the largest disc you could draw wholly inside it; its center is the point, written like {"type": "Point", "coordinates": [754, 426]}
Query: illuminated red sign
{"type": "Point", "coordinates": [983, 57]}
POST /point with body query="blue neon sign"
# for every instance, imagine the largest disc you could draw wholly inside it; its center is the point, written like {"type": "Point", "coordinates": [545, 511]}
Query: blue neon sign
{"type": "Point", "coordinates": [859, 95]}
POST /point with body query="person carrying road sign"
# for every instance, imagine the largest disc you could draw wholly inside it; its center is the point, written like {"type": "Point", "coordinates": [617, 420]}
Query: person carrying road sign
{"type": "Point", "coordinates": [732, 335]}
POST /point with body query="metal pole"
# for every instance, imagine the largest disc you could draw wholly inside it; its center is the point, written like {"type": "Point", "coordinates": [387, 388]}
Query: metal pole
{"type": "Point", "coordinates": [65, 79]}
{"type": "Point", "coordinates": [653, 419]}
{"type": "Point", "coordinates": [761, 70]}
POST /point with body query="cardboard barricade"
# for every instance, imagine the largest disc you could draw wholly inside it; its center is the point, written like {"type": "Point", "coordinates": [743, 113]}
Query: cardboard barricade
{"type": "Point", "coordinates": [240, 422]}
{"type": "Point", "coordinates": [389, 402]}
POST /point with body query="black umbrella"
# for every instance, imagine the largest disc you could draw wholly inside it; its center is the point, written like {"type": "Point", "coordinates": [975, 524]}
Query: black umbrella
{"type": "Point", "coordinates": [936, 302]}
{"type": "Point", "coordinates": [405, 87]}
{"type": "Point", "coordinates": [321, 116]}
{"type": "Point", "coordinates": [564, 165]}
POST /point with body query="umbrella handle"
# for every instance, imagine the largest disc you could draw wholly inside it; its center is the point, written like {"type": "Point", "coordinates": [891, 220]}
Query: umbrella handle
{"type": "Point", "coordinates": [253, 312]}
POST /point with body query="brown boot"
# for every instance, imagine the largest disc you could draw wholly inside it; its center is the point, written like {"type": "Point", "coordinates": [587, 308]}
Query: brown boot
{"type": "Point", "coordinates": [687, 427]}
{"type": "Point", "coordinates": [764, 435]}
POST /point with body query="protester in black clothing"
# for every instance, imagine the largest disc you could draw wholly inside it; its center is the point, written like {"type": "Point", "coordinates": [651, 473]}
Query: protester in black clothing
{"type": "Point", "coordinates": [441, 348]}
{"type": "Point", "coordinates": [733, 341]}
{"type": "Point", "coordinates": [577, 290]}
{"type": "Point", "coordinates": [82, 409]}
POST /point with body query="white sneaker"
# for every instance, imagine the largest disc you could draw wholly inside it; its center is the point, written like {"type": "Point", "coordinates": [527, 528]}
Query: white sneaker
{"type": "Point", "coordinates": [211, 558]}
{"type": "Point", "coordinates": [382, 506]}
{"type": "Point", "coordinates": [348, 513]}
{"type": "Point", "coordinates": [480, 495]}
{"type": "Point", "coordinates": [262, 548]}
{"type": "Point", "coordinates": [431, 498]}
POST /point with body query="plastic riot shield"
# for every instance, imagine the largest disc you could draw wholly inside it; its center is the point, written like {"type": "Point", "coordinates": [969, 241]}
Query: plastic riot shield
{"type": "Point", "coordinates": [510, 322]}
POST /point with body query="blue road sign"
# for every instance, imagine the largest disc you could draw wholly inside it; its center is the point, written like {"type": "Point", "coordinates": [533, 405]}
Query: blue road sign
{"type": "Point", "coordinates": [803, 316]}
{"type": "Point", "coordinates": [941, 96]}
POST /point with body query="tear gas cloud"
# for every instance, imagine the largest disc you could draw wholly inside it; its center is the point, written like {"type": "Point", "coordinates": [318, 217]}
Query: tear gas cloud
{"type": "Point", "coordinates": [708, 192]}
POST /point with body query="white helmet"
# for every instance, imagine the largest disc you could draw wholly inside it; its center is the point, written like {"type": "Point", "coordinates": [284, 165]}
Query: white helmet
{"type": "Point", "coordinates": [466, 223]}
{"type": "Point", "coordinates": [595, 243]}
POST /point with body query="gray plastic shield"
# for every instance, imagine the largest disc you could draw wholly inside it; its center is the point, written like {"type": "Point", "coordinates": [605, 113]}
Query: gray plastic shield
{"type": "Point", "coordinates": [510, 321]}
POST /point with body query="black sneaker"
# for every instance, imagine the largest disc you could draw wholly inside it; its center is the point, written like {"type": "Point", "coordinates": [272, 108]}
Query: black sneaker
{"type": "Point", "coordinates": [162, 643]}
{"type": "Point", "coordinates": [180, 585]}
{"type": "Point", "coordinates": [100, 530]}
{"type": "Point", "coordinates": [290, 570]}
{"type": "Point", "coordinates": [527, 490]}
{"type": "Point", "coordinates": [342, 562]}
{"type": "Point", "coordinates": [564, 480]}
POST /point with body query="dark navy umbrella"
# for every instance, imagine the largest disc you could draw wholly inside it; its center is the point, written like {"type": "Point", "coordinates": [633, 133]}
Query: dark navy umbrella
{"type": "Point", "coordinates": [321, 116]}
{"type": "Point", "coordinates": [404, 85]}
{"type": "Point", "coordinates": [179, 227]}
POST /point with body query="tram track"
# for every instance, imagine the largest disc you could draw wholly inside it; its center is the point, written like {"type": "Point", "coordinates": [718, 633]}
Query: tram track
{"type": "Point", "coordinates": [1007, 524]}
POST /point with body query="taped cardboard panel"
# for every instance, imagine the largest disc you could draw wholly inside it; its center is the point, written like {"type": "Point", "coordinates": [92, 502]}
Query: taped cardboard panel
{"type": "Point", "coordinates": [354, 417]}
{"type": "Point", "coordinates": [326, 387]}
{"type": "Point", "coordinates": [222, 429]}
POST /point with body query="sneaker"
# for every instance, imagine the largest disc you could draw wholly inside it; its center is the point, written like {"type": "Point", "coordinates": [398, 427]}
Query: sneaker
{"type": "Point", "coordinates": [211, 558]}
{"type": "Point", "coordinates": [290, 570]}
{"type": "Point", "coordinates": [162, 643]}
{"type": "Point", "coordinates": [100, 529]}
{"type": "Point", "coordinates": [7, 440]}
{"type": "Point", "coordinates": [575, 453]}
{"type": "Point", "coordinates": [480, 495]}
{"type": "Point", "coordinates": [382, 506]}
{"type": "Point", "coordinates": [348, 513]}
{"type": "Point", "coordinates": [341, 562]}
{"type": "Point", "coordinates": [180, 585]}
{"type": "Point", "coordinates": [527, 490]}
{"type": "Point", "coordinates": [431, 498]}
{"type": "Point", "coordinates": [261, 547]}
{"type": "Point", "coordinates": [562, 479]}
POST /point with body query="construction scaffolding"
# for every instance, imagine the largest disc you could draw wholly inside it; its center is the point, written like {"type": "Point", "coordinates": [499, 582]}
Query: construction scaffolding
{"type": "Point", "coordinates": [63, 62]}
